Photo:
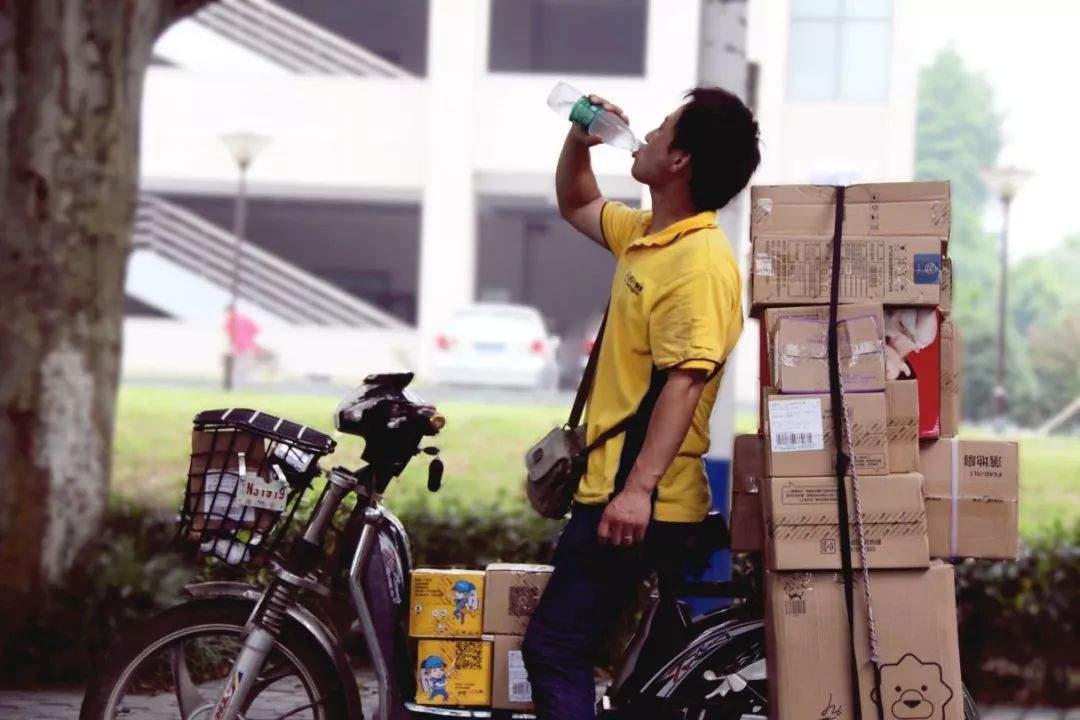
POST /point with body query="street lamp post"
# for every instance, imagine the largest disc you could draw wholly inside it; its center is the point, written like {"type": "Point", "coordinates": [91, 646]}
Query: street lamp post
{"type": "Point", "coordinates": [243, 146]}
{"type": "Point", "coordinates": [1004, 182]}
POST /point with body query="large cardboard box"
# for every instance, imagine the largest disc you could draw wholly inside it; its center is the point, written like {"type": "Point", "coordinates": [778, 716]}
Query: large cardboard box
{"type": "Point", "coordinates": [799, 434]}
{"type": "Point", "coordinates": [902, 408]}
{"type": "Point", "coordinates": [971, 491]}
{"type": "Point", "coordinates": [511, 592]}
{"type": "Point", "coordinates": [446, 603]}
{"type": "Point", "coordinates": [802, 517]}
{"type": "Point", "coordinates": [808, 645]}
{"type": "Point", "coordinates": [747, 524]}
{"type": "Point", "coordinates": [510, 687]}
{"type": "Point", "coordinates": [800, 354]}
{"type": "Point", "coordinates": [951, 378]}
{"type": "Point", "coordinates": [907, 208]}
{"type": "Point", "coordinates": [797, 270]}
{"type": "Point", "coordinates": [453, 672]}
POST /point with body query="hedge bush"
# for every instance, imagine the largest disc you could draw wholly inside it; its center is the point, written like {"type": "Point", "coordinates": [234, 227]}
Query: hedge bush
{"type": "Point", "coordinates": [1018, 621]}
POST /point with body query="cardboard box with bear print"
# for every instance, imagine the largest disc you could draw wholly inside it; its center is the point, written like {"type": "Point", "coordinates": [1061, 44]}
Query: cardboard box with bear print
{"type": "Point", "coordinates": [511, 592]}
{"type": "Point", "coordinates": [808, 645]}
{"type": "Point", "coordinates": [453, 672]}
{"type": "Point", "coordinates": [446, 603]}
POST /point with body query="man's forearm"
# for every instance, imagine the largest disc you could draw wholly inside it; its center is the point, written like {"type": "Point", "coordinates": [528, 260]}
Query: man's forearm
{"type": "Point", "coordinates": [667, 429]}
{"type": "Point", "coordinates": [575, 182]}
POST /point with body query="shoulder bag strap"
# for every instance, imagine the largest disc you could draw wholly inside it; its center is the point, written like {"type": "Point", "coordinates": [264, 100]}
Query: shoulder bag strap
{"type": "Point", "coordinates": [587, 377]}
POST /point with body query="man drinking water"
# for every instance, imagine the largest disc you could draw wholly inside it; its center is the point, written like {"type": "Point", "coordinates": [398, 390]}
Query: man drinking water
{"type": "Point", "coordinates": [675, 314]}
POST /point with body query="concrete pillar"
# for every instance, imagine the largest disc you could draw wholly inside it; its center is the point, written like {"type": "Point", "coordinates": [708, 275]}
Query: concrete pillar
{"type": "Point", "coordinates": [457, 56]}
{"type": "Point", "coordinates": [722, 62]}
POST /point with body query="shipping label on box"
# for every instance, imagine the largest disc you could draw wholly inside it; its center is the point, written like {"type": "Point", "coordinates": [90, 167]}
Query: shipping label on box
{"type": "Point", "coordinates": [951, 378]}
{"type": "Point", "coordinates": [908, 208]}
{"type": "Point", "coordinates": [797, 270]}
{"type": "Point", "coordinates": [808, 645]}
{"type": "Point", "coordinates": [747, 526]}
{"type": "Point", "coordinates": [453, 672]}
{"type": "Point", "coordinates": [902, 408]}
{"type": "Point", "coordinates": [446, 603]}
{"type": "Point", "coordinates": [802, 517]}
{"type": "Point", "coordinates": [799, 434]}
{"type": "Point", "coordinates": [971, 489]}
{"type": "Point", "coordinates": [511, 592]}
{"type": "Point", "coordinates": [510, 687]}
{"type": "Point", "coordinates": [800, 362]}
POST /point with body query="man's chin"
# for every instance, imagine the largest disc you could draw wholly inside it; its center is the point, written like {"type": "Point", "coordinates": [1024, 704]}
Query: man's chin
{"type": "Point", "coordinates": [636, 173]}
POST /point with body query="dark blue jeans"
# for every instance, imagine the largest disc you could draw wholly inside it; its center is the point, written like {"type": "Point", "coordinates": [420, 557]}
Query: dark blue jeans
{"type": "Point", "coordinates": [591, 587]}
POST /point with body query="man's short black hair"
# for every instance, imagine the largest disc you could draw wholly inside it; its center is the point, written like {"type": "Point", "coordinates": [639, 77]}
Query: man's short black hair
{"type": "Point", "coordinates": [721, 136]}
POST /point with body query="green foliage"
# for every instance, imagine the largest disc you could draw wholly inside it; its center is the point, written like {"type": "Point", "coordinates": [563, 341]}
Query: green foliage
{"type": "Point", "coordinates": [1019, 621]}
{"type": "Point", "coordinates": [957, 134]}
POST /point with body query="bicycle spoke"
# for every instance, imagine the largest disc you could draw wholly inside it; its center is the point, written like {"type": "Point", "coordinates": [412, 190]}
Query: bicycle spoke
{"type": "Point", "coordinates": [187, 695]}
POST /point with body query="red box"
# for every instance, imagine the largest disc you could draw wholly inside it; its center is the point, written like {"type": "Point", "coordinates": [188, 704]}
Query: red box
{"type": "Point", "coordinates": [925, 364]}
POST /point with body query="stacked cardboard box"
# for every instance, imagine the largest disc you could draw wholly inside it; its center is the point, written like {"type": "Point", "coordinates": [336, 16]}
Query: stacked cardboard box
{"type": "Point", "coordinates": [512, 592]}
{"type": "Point", "coordinates": [924, 494]}
{"type": "Point", "coordinates": [468, 626]}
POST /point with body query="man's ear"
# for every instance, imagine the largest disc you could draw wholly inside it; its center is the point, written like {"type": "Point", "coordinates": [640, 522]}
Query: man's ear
{"type": "Point", "coordinates": [680, 161]}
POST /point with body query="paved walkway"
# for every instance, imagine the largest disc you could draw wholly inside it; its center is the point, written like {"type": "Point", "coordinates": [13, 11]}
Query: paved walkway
{"type": "Point", "coordinates": [64, 705]}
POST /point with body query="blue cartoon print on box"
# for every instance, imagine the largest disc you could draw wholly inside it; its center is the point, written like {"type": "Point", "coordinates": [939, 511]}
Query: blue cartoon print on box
{"type": "Point", "coordinates": [466, 599]}
{"type": "Point", "coordinates": [434, 676]}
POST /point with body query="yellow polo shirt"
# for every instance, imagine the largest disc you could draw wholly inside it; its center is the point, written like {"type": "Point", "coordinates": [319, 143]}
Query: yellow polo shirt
{"type": "Point", "coordinates": [676, 301]}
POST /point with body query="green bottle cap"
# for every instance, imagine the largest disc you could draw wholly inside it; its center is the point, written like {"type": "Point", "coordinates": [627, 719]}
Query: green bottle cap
{"type": "Point", "coordinates": [584, 112]}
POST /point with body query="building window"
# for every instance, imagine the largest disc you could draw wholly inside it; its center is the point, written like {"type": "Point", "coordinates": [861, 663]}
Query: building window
{"type": "Point", "coordinates": [584, 37]}
{"type": "Point", "coordinates": [839, 50]}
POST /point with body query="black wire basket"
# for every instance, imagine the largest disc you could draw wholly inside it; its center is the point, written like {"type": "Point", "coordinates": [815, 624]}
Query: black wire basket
{"type": "Point", "coordinates": [248, 473]}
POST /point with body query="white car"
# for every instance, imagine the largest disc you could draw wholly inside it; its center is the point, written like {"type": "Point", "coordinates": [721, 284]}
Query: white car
{"type": "Point", "coordinates": [497, 344]}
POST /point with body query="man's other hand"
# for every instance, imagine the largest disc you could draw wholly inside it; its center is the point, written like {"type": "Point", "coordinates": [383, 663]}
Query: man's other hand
{"type": "Point", "coordinates": [626, 517]}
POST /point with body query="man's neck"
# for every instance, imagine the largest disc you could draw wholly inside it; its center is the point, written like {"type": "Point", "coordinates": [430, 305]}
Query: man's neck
{"type": "Point", "coordinates": [669, 206]}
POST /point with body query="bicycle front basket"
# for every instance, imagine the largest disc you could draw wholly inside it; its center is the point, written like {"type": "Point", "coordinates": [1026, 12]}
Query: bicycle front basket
{"type": "Point", "coordinates": [247, 475]}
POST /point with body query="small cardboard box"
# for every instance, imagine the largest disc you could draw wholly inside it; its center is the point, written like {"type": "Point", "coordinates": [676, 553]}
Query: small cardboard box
{"type": "Point", "coordinates": [802, 517]}
{"type": "Point", "coordinates": [902, 408]}
{"type": "Point", "coordinates": [747, 524]}
{"type": "Point", "coordinates": [511, 592]}
{"type": "Point", "coordinates": [799, 434]}
{"type": "Point", "coordinates": [808, 645]}
{"type": "Point", "coordinates": [453, 672]}
{"type": "Point", "coordinates": [446, 603]}
{"type": "Point", "coordinates": [951, 378]}
{"type": "Point", "coordinates": [510, 687]}
{"type": "Point", "coordinates": [800, 360]}
{"type": "Point", "coordinates": [905, 208]}
{"type": "Point", "coordinates": [770, 321]}
{"type": "Point", "coordinates": [796, 270]}
{"type": "Point", "coordinates": [971, 491]}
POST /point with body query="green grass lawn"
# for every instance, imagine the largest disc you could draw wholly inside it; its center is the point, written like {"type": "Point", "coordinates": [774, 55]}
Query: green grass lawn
{"type": "Point", "coordinates": [482, 448]}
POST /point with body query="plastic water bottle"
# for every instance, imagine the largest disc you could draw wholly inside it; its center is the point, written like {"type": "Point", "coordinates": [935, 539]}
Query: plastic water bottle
{"type": "Point", "coordinates": [609, 127]}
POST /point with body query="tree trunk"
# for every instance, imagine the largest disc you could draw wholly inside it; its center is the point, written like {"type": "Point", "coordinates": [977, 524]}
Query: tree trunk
{"type": "Point", "coordinates": [71, 75]}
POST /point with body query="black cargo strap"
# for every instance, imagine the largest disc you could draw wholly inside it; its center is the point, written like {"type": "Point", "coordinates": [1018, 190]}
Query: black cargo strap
{"type": "Point", "coordinates": [843, 461]}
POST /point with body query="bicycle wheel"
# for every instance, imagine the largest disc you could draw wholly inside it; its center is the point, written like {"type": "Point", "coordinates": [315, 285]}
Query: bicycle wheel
{"type": "Point", "coordinates": [177, 665]}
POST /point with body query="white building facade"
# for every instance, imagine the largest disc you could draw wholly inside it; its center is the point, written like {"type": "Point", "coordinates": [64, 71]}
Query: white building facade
{"type": "Point", "coordinates": [411, 167]}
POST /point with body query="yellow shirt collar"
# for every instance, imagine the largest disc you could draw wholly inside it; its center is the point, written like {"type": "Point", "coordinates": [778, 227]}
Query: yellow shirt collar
{"type": "Point", "coordinates": [671, 232]}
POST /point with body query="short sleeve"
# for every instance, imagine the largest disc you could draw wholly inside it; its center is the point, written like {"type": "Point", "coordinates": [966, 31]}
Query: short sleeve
{"type": "Point", "coordinates": [690, 322]}
{"type": "Point", "coordinates": [620, 225]}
